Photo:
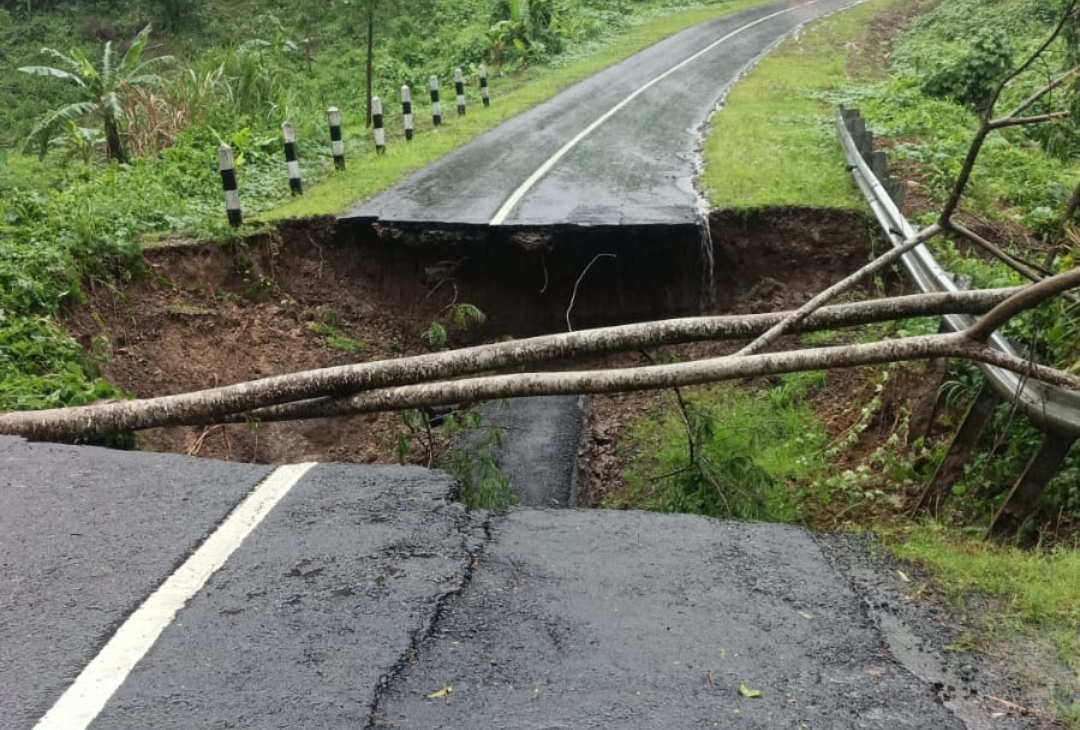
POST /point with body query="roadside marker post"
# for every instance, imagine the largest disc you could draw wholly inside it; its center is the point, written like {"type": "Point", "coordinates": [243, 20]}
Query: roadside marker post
{"type": "Point", "coordinates": [406, 109]}
{"type": "Point", "coordinates": [337, 147]}
{"type": "Point", "coordinates": [228, 183]}
{"type": "Point", "coordinates": [377, 120]}
{"type": "Point", "coordinates": [482, 72]}
{"type": "Point", "coordinates": [296, 185]}
{"type": "Point", "coordinates": [436, 107]}
{"type": "Point", "coordinates": [459, 90]}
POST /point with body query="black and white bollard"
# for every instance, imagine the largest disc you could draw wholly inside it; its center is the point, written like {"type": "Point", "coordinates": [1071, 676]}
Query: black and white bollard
{"type": "Point", "coordinates": [336, 145]}
{"type": "Point", "coordinates": [459, 90]}
{"type": "Point", "coordinates": [228, 182]}
{"type": "Point", "coordinates": [406, 108]}
{"type": "Point", "coordinates": [296, 186]}
{"type": "Point", "coordinates": [436, 107]}
{"type": "Point", "coordinates": [377, 120]}
{"type": "Point", "coordinates": [482, 72]}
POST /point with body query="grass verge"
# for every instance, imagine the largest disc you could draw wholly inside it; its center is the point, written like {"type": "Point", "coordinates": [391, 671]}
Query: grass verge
{"type": "Point", "coordinates": [1037, 597]}
{"type": "Point", "coordinates": [750, 448]}
{"type": "Point", "coordinates": [774, 142]}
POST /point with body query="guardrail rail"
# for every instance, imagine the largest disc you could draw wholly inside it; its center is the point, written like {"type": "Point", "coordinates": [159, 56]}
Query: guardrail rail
{"type": "Point", "coordinates": [1055, 410]}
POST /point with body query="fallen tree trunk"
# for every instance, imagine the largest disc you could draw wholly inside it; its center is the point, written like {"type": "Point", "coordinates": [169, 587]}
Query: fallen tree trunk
{"type": "Point", "coordinates": [655, 377]}
{"type": "Point", "coordinates": [318, 388]}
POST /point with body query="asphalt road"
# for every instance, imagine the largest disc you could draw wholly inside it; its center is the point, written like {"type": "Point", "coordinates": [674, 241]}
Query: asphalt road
{"type": "Point", "coordinates": [618, 148]}
{"type": "Point", "coordinates": [157, 591]}
{"type": "Point", "coordinates": [365, 597]}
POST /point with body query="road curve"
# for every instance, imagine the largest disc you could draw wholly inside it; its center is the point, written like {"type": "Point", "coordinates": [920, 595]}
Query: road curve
{"type": "Point", "coordinates": [616, 149]}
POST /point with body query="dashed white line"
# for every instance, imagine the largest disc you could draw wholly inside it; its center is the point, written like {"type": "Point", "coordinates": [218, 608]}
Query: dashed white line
{"type": "Point", "coordinates": [518, 194]}
{"type": "Point", "coordinates": [85, 699]}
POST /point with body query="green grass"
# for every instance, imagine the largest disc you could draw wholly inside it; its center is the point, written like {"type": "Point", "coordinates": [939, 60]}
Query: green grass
{"type": "Point", "coordinates": [1038, 592]}
{"type": "Point", "coordinates": [758, 447]}
{"type": "Point", "coordinates": [367, 174]}
{"type": "Point", "coordinates": [1036, 585]}
{"type": "Point", "coordinates": [774, 142]}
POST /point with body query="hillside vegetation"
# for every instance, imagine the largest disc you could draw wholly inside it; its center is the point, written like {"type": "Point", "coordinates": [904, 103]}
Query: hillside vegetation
{"type": "Point", "coordinates": [232, 73]}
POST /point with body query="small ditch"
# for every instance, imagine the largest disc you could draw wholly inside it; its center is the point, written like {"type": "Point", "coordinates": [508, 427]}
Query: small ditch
{"type": "Point", "coordinates": [319, 292]}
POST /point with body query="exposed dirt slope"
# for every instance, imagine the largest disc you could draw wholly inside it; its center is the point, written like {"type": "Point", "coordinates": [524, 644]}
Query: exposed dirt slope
{"type": "Point", "coordinates": [207, 314]}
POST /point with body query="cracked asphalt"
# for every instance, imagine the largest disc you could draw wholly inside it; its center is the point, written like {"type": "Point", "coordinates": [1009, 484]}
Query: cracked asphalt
{"type": "Point", "coordinates": [369, 598]}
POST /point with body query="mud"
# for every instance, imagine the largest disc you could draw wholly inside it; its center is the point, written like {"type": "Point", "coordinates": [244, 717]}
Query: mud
{"type": "Point", "coordinates": [315, 294]}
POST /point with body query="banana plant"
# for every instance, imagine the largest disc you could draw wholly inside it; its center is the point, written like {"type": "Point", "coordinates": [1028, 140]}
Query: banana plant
{"type": "Point", "coordinates": [101, 87]}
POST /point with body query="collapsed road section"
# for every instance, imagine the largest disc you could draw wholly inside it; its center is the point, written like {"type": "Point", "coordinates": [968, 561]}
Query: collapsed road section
{"type": "Point", "coordinates": [367, 597]}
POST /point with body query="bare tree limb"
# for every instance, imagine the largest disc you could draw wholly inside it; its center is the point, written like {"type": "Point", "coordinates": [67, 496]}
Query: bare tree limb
{"type": "Point", "coordinates": [1034, 56]}
{"type": "Point", "coordinates": [211, 405]}
{"type": "Point", "coordinates": [1020, 121]}
{"type": "Point", "coordinates": [1028, 271]}
{"type": "Point", "coordinates": [792, 320]}
{"type": "Point", "coordinates": [1053, 84]}
{"type": "Point", "coordinates": [664, 376]}
{"type": "Point", "coordinates": [984, 130]}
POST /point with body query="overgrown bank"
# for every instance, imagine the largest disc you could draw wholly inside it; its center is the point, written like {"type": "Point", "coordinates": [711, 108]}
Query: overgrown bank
{"type": "Point", "coordinates": [239, 72]}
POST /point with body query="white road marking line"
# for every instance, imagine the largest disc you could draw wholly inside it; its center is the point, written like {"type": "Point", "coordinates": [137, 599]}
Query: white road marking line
{"type": "Point", "coordinates": [85, 699]}
{"type": "Point", "coordinates": [518, 194]}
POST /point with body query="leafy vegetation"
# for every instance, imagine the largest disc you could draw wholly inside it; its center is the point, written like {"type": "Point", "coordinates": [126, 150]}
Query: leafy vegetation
{"type": "Point", "coordinates": [737, 454]}
{"type": "Point", "coordinates": [239, 71]}
{"type": "Point", "coordinates": [774, 142]}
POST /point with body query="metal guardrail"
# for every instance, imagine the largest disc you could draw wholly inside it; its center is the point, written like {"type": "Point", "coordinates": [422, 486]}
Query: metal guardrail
{"type": "Point", "coordinates": [1049, 406]}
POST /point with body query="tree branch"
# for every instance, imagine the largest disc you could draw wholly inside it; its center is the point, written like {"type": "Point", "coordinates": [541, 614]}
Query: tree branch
{"type": "Point", "coordinates": [1019, 109]}
{"type": "Point", "coordinates": [1027, 298]}
{"type": "Point", "coordinates": [665, 376]}
{"type": "Point", "coordinates": [792, 320]}
{"type": "Point", "coordinates": [211, 405]}
{"type": "Point", "coordinates": [979, 139]}
{"type": "Point", "coordinates": [1020, 121]}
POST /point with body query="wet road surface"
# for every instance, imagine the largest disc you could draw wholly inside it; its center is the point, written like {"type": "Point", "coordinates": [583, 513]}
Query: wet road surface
{"type": "Point", "coordinates": [365, 592]}
{"type": "Point", "coordinates": [352, 596]}
{"type": "Point", "coordinates": [618, 148]}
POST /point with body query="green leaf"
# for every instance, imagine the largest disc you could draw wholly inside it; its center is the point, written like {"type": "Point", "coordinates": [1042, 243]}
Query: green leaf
{"type": "Point", "coordinates": [747, 692]}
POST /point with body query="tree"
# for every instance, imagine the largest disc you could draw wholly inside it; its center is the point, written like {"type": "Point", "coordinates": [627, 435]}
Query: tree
{"type": "Point", "coordinates": [404, 383]}
{"type": "Point", "coordinates": [101, 87]}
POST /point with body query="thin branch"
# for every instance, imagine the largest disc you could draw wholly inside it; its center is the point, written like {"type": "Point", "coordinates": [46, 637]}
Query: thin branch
{"type": "Point", "coordinates": [684, 411]}
{"type": "Point", "coordinates": [573, 297]}
{"type": "Point", "coordinates": [793, 319]}
{"type": "Point", "coordinates": [1028, 271]}
{"type": "Point", "coordinates": [1044, 91]}
{"type": "Point", "coordinates": [1020, 121]}
{"type": "Point", "coordinates": [1065, 15]}
{"type": "Point", "coordinates": [979, 139]}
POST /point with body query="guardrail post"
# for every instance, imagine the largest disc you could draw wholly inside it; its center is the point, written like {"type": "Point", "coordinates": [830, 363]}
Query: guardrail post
{"type": "Point", "coordinates": [960, 450]}
{"type": "Point", "coordinates": [484, 95]}
{"type": "Point", "coordinates": [377, 121]}
{"type": "Point", "coordinates": [228, 182]}
{"type": "Point", "coordinates": [459, 91]}
{"type": "Point", "coordinates": [1024, 496]}
{"type": "Point", "coordinates": [337, 147]}
{"type": "Point", "coordinates": [879, 164]}
{"type": "Point", "coordinates": [406, 110]}
{"type": "Point", "coordinates": [296, 185]}
{"type": "Point", "coordinates": [436, 107]}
